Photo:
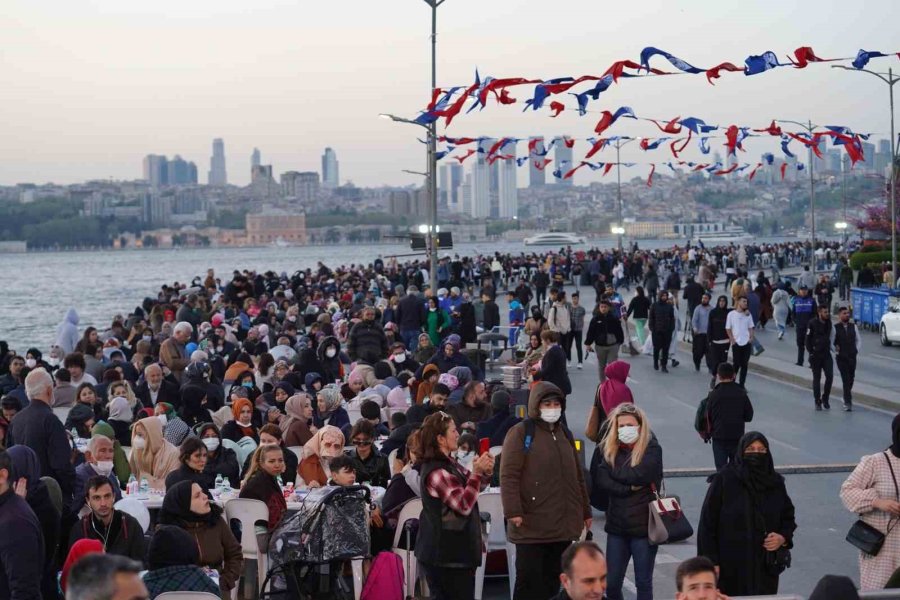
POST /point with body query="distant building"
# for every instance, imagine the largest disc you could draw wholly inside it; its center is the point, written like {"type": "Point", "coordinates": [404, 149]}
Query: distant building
{"type": "Point", "coordinates": [304, 186]}
{"type": "Point", "coordinates": [536, 177]}
{"type": "Point", "coordinates": [330, 176]}
{"type": "Point", "coordinates": [275, 226]}
{"type": "Point", "coordinates": [255, 159]}
{"type": "Point", "coordinates": [156, 210]}
{"type": "Point", "coordinates": [451, 178]}
{"type": "Point", "coordinates": [181, 172]}
{"type": "Point", "coordinates": [868, 156]}
{"type": "Point", "coordinates": [833, 160]}
{"type": "Point", "coordinates": [401, 202]}
{"type": "Point", "coordinates": [156, 170]}
{"type": "Point", "coordinates": [507, 189]}
{"type": "Point", "coordinates": [217, 173]}
{"type": "Point", "coordinates": [648, 229]}
{"type": "Point", "coordinates": [563, 157]}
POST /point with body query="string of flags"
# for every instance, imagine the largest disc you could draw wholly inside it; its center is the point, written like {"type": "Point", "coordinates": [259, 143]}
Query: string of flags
{"type": "Point", "coordinates": [447, 103]}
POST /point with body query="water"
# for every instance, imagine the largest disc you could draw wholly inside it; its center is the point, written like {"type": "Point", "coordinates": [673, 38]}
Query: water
{"type": "Point", "coordinates": [40, 287]}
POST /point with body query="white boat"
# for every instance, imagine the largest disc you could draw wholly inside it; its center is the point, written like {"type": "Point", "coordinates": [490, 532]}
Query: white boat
{"type": "Point", "coordinates": [555, 238]}
{"type": "Point", "coordinates": [280, 243]}
{"type": "Point", "coordinates": [730, 234]}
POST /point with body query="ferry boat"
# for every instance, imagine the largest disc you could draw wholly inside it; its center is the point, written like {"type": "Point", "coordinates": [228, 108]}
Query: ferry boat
{"type": "Point", "coordinates": [554, 238]}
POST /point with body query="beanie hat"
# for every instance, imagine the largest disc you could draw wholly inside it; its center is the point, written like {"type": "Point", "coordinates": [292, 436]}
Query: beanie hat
{"type": "Point", "coordinates": [500, 400]}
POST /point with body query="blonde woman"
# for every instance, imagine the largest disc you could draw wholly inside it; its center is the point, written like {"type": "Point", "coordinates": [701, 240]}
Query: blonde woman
{"type": "Point", "coordinates": [261, 482]}
{"type": "Point", "coordinates": [123, 389]}
{"type": "Point", "coordinates": [152, 457]}
{"type": "Point", "coordinates": [630, 464]}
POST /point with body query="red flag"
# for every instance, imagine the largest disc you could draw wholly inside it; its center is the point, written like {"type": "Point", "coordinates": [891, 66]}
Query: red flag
{"type": "Point", "coordinates": [772, 129]}
{"type": "Point", "coordinates": [670, 127]}
{"type": "Point", "coordinates": [805, 55]}
{"type": "Point", "coordinates": [499, 84]}
{"type": "Point", "coordinates": [598, 145]}
{"type": "Point", "coordinates": [465, 156]}
{"type": "Point", "coordinates": [783, 167]}
{"type": "Point", "coordinates": [700, 167]}
{"type": "Point", "coordinates": [753, 172]}
{"type": "Point", "coordinates": [618, 67]}
{"type": "Point", "coordinates": [676, 151]}
{"type": "Point", "coordinates": [558, 88]}
{"type": "Point", "coordinates": [725, 66]}
{"type": "Point", "coordinates": [497, 157]}
{"type": "Point", "coordinates": [541, 164]}
{"type": "Point", "coordinates": [605, 121]}
{"type": "Point", "coordinates": [726, 171]}
{"type": "Point", "coordinates": [505, 98]}
{"type": "Point", "coordinates": [457, 141]}
{"type": "Point", "coordinates": [809, 143]}
{"type": "Point", "coordinates": [569, 142]}
{"type": "Point", "coordinates": [457, 106]}
{"type": "Point", "coordinates": [532, 144]}
{"type": "Point", "coordinates": [435, 94]}
{"type": "Point", "coordinates": [650, 178]}
{"type": "Point", "coordinates": [607, 168]}
{"type": "Point", "coordinates": [572, 171]}
{"type": "Point", "coordinates": [557, 107]}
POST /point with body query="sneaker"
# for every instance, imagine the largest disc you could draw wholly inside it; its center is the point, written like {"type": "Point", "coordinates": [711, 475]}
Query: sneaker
{"type": "Point", "coordinates": [675, 363]}
{"type": "Point", "coordinates": [569, 364]}
{"type": "Point", "coordinates": [799, 364]}
{"type": "Point", "coordinates": [780, 335]}
{"type": "Point", "coordinates": [580, 366]}
{"type": "Point", "coordinates": [848, 407]}
{"type": "Point", "coordinates": [825, 405]}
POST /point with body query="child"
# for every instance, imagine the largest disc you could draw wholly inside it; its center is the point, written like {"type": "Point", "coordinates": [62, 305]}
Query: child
{"type": "Point", "coordinates": [343, 474]}
{"type": "Point", "coordinates": [467, 450]}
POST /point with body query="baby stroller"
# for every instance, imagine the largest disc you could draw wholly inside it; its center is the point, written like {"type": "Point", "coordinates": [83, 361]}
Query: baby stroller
{"type": "Point", "coordinates": [307, 550]}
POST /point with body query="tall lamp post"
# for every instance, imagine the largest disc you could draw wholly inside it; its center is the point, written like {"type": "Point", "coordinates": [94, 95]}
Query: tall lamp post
{"type": "Point", "coordinates": [619, 229]}
{"type": "Point", "coordinates": [809, 127]}
{"type": "Point", "coordinates": [890, 80]}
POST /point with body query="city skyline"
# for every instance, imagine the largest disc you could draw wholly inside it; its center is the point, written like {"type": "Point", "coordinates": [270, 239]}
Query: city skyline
{"type": "Point", "coordinates": [266, 92]}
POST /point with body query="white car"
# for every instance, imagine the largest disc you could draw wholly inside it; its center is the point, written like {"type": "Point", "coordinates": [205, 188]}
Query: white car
{"type": "Point", "coordinates": [890, 325]}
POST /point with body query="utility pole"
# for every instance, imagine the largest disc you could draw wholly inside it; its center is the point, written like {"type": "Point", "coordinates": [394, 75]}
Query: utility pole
{"type": "Point", "coordinates": [809, 127]}
{"type": "Point", "coordinates": [620, 227]}
{"type": "Point", "coordinates": [432, 154]}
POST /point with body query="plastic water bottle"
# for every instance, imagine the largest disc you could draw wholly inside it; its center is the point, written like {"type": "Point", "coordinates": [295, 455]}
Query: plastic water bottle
{"type": "Point", "coordinates": [227, 483]}
{"type": "Point", "coordinates": [219, 482]}
{"type": "Point", "coordinates": [145, 486]}
{"type": "Point", "coordinates": [132, 486]}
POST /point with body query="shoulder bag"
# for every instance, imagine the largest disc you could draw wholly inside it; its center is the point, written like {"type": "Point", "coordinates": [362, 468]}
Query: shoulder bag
{"type": "Point", "coordinates": [866, 537]}
{"type": "Point", "coordinates": [667, 523]}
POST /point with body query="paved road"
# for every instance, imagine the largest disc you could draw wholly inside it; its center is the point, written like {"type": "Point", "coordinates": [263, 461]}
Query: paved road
{"type": "Point", "coordinates": [799, 436]}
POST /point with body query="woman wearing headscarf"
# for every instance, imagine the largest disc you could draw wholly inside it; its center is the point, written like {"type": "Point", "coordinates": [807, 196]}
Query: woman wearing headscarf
{"type": "Point", "coordinates": [430, 375]}
{"type": "Point", "coordinates": [152, 456]}
{"type": "Point", "coordinates": [313, 382]}
{"type": "Point", "coordinates": [717, 337]}
{"type": "Point", "coordinates": [612, 392]}
{"type": "Point", "coordinates": [79, 549]}
{"type": "Point", "coordinates": [871, 492]}
{"type": "Point", "coordinates": [81, 419]}
{"type": "Point", "coordinates": [261, 482]}
{"type": "Point", "coordinates": [219, 459]}
{"type": "Point", "coordinates": [174, 429]}
{"type": "Point", "coordinates": [242, 425]}
{"type": "Point", "coordinates": [354, 385]}
{"type": "Point", "coordinates": [327, 443]}
{"type": "Point", "coordinates": [26, 480]}
{"type": "Point", "coordinates": [328, 408]}
{"type": "Point", "coordinates": [449, 356]}
{"type": "Point", "coordinates": [193, 406]}
{"type": "Point", "coordinates": [280, 394]}
{"type": "Point", "coordinates": [747, 517]}
{"type": "Point", "coordinates": [297, 425]}
{"type": "Point", "coordinates": [172, 560]}
{"type": "Point", "coordinates": [120, 417]}
{"type": "Point", "coordinates": [120, 460]}
{"type": "Point", "coordinates": [187, 506]}
{"type": "Point", "coordinates": [463, 377]}
{"type": "Point", "coordinates": [425, 349]}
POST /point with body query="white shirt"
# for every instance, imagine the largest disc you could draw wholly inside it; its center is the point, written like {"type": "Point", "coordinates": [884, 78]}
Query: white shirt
{"type": "Point", "coordinates": [739, 325]}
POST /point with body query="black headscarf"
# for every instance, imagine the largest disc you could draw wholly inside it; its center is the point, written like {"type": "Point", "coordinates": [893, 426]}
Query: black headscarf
{"type": "Point", "coordinates": [895, 436]}
{"type": "Point", "coordinates": [759, 477]}
{"type": "Point", "coordinates": [172, 546]}
{"type": "Point", "coordinates": [176, 508]}
{"type": "Point", "coordinates": [834, 587]}
{"type": "Point", "coordinates": [192, 412]}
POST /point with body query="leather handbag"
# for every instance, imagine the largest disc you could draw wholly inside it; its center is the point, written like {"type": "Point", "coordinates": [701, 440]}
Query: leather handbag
{"type": "Point", "coordinates": [866, 537]}
{"type": "Point", "coordinates": [667, 522]}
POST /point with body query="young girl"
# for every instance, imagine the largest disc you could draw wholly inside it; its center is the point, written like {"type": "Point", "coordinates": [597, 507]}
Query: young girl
{"type": "Point", "coordinates": [467, 450]}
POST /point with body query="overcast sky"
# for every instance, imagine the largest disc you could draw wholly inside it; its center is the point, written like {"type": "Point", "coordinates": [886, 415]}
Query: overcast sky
{"type": "Point", "coordinates": [91, 86]}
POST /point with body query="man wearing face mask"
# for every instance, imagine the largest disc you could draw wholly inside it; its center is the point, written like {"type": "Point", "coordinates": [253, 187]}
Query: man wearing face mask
{"type": "Point", "coordinates": [119, 532]}
{"type": "Point", "coordinates": [402, 360]}
{"type": "Point", "coordinates": [544, 497]}
{"type": "Point", "coordinates": [98, 461]}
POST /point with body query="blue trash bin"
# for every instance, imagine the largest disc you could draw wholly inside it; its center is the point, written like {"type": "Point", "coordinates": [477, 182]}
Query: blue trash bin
{"type": "Point", "coordinates": [869, 304]}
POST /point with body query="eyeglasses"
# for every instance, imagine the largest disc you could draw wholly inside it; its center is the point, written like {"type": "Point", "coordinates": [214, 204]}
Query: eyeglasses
{"type": "Point", "coordinates": [361, 442]}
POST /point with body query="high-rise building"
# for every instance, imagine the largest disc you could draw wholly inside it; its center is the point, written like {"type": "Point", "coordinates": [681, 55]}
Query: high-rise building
{"type": "Point", "coordinates": [563, 157]}
{"type": "Point", "coordinates": [181, 172]}
{"type": "Point", "coordinates": [330, 177]}
{"type": "Point", "coordinates": [508, 188]}
{"type": "Point", "coordinates": [156, 170]}
{"type": "Point", "coordinates": [450, 180]}
{"type": "Point", "coordinates": [302, 186]}
{"type": "Point", "coordinates": [536, 177]}
{"type": "Point", "coordinates": [884, 146]}
{"type": "Point", "coordinates": [833, 161]}
{"type": "Point", "coordinates": [868, 156]}
{"type": "Point", "coordinates": [217, 173]}
{"type": "Point", "coordinates": [255, 159]}
{"type": "Point", "coordinates": [481, 182]}
{"type": "Point", "coordinates": [465, 195]}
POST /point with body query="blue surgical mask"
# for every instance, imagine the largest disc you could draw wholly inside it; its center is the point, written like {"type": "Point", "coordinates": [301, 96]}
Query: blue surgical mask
{"type": "Point", "coordinates": [248, 384]}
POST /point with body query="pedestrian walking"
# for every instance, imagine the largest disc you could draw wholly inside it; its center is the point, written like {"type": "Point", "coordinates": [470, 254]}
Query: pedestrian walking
{"type": "Point", "coordinates": [729, 408]}
{"type": "Point", "coordinates": [804, 312]}
{"type": "Point", "coordinates": [699, 328]}
{"type": "Point", "coordinates": [559, 319]}
{"type": "Point", "coordinates": [747, 522]}
{"type": "Point", "coordinates": [781, 309]}
{"type": "Point", "coordinates": [577, 313]}
{"type": "Point", "coordinates": [662, 328]}
{"type": "Point", "coordinates": [847, 344]}
{"type": "Point", "coordinates": [629, 469]}
{"type": "Point", "coordinates": [604, 336]}
{"type": "Point", "coordinates": [871, 491]}
{"type": "Point", "coordinates": [639, 309]}
{"type": "Point", "coordinates": [739, 325]}
{"type": "Point", "coordinates": [717, 338]}
{"type": "Point", "coordinates": [819, 336]}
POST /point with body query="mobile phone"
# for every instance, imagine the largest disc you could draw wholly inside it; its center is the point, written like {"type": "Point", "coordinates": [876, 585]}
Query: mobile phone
{"type": "Point", "coordinates": [484, 445]}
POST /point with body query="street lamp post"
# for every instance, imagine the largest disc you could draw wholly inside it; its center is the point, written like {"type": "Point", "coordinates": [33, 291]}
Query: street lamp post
{"type": "Point", "coordinates": [890, 80]}
{"type": "Point", "coordinates": [809, 127]}
{"type": "Point", "coordinates": [619, 229]}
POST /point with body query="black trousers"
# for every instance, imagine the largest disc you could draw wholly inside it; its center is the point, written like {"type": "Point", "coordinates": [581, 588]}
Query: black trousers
{"type": "Point", "coordinates": [740, 355]}
{"type": "Point", "coordinates": [699, 348]}
{"type": "Point", "coordinates": [576, 335]}
{"type": "Point", "coordinates": [847, 367]}
{"type": "Point", "coordinates": [540, 294]}
{"type": "Point", "coordinates": [446, 583]}
{"type": "Point", "coordinates": [723, 452]}
{"type": "Point", "coordinates": [565, 340]}
{"type": "Point", "coordinates": [661, 342]}
{"type": "Point", "coordinates": [537, 570]}
{"type": "Point", "coordinates": [715, 356]}
{"type": "Point", "coordinates": [822, 365]}
{"type": "Point", "coordinates": [801, 343]}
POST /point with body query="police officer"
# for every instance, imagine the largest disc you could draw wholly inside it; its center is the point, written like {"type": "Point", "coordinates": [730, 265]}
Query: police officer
{"type": "Point", "coordinates": [804, 312]}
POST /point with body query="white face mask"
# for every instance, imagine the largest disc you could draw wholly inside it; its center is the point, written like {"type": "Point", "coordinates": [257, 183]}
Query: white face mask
{"type": "Point", "coordinates": [551, 415]}
{"type": "Point", "coordinates": [465, 458]}
{"type": "Point", "coordinates": [138, 443]}
{"type": "Point", "coordinates": [212, 444]}
{"type": "Point", "coordinates": [163, 419]}
{"type": "Point", "coordinates": [30, 363]}
{"type": "Point", "coordinates": [104, 467]}
{"type": "Point", "coordinates": [400, 358]}
{"type": "Point", "coordinates": [331, 353]}
{"type": "Point", "coordinates": [628, 434]}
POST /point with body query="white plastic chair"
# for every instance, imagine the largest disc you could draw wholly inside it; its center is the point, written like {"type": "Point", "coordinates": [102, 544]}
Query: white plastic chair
{"type": "Point", "coordinates": [62, 412]}
{"type": "Point", "coordinates": [355, 415]}
{"type": "Point", "coordinates": [387, 412]}
{"type": "Point", "coordinates": [187, 596]}
{"type": "Point", "coordinates": [391, 458]}
{"type": "Point", "coordinates": [127, 451]}
{"type": "Point", "coordinates": [249, 512]}
{"type": "Point", "coordinates": [135, 508]}
{"type": "Point", "coordinates": [410, 510]}
{"type": "Point", "coordinates": [490, 503]}
{"type": "Point", "coordinates": [495, 451]}
{"type": "Point", "coordinates": [298, 452]}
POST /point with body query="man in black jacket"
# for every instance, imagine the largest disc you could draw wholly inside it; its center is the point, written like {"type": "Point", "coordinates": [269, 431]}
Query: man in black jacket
{"type": "Point", "coordinates": [818, 344]}
{"type": "Point", "coordinates": [491, 312]}
{"type": "Point", "coordinates": [367, 342]}
{"type": "Point", "coordinates": [22, 542]}
{"type": "Point", "coordinates": [410, 317]}
{"type": "Point", "coordinates": [156, 388]}
{"type": "Point", "coordinates": [119, 532]}
{"type": "Point", "coordinates": [541, 281]}
{"type": "Point", "coordinates": [693, 293]}
{"type": "Point", "coordinates": [662, 327]}
{"type": "Point", "coordinates": [553, 364]}
{"type": "Point", "coordinates": [728, 407]}
{"type": "Point", "coordinates": [604, 336]}
{"type": "Point", "coordinates": [846, 347]}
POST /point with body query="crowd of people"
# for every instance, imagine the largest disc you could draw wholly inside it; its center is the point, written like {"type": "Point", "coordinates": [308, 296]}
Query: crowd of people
{"type": "Point", "coordinates": [212, 383]}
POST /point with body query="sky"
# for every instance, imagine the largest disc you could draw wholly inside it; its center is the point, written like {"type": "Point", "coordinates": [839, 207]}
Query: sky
{"type": "Point", "coordinates": [90, 87]}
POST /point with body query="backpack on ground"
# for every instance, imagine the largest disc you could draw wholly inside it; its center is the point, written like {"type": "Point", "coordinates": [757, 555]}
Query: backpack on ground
{"type": "Point", "coordinates": [385, 580]}
{"type": "Point", "coordinates": [701, 420]}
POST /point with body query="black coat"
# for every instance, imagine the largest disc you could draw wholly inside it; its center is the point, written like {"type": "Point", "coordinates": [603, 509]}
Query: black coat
{"type": "Point", "coordinates": [731, 534]}
{"type": "Point", "coordinates": [206, 481]}
{"type": "Point", "coordinates": [729, 408]}
{"type": "Point", "coordinates": [467, 333]}
{"type": "Point", "coordinates": [491, 315]}
{"type": "Point", "coordinates": [715, 330]}
{"type": "Point", "coordinates": [168, 392]}
{"type": "Point", "coordinates": [374, 470]}
{"type": "Point", "coordinates": [225, 464]}
{"type": "Point", "coordinates": [410, 313]}
{"type": "Point", "coordinates": [124, 537]}
{"type": "Point", "coordinates": [662, 318]}
{"type": "Point", "coordinates": [39, 429]}
{"type": "Point", "coordinates": [367, 342]}
{"type": "Point", "coordinates": [628, 514]}
{"type": "Point", "coordinates": [600, 326]}
{"type": "Point", "coordinates": [553, 370]}
{"type": "Point", "coordinates": [818, 339]}
{"type": "Point", "coordinates": [291, 462]}
{"type": "Point", "coordinates": [21, 549]}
